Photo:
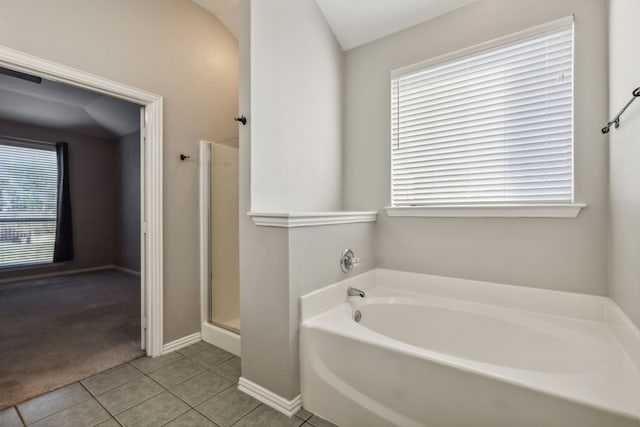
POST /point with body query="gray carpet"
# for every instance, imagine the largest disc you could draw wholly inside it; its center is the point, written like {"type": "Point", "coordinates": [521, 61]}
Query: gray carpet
{"type": "Point", "coordinates": [58, 330]}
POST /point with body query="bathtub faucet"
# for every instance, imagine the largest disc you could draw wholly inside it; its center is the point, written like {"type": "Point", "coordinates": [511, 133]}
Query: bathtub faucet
{"type": "Point", "coordinates": [355, 292]}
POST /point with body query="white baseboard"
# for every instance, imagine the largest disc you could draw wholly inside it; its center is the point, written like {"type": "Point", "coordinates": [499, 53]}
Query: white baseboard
{"type": "Point", "coordinates": [222, 338]}
{"type": "Point", "coordinates": [126, 270]}
{"type": "Point", "coordinates": [280, 404]}
{"type": "Point", "coordinates": [181, 342]}
{"type": "Point", "coordinates": [55, 273]}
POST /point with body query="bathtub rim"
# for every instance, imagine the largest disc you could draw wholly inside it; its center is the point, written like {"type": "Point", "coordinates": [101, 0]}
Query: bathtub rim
{"type": "Point", "coordinates": [585, 307]}
{"type": "Point", "coordinates": [601, 310]}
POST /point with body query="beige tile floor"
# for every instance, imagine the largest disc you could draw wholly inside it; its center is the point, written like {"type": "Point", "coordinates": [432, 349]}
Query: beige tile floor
{"type": "Point", "coordinates": [192, 387]}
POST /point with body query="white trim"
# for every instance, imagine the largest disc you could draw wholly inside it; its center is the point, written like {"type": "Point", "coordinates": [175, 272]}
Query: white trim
{"type": "Point", "coordinates": [222, 338]}
{"type": "Point", "coordinates": [624, 330]}
{"type": "Point", "coordinates": [181, 343]}
{"type": "Point", "coordinates": [126, 270]}
{"type": "Point", "coordinates": [205, 266]}
{"type": "Point", "coordinates": [310, 219]}
{"type": "Point", "coordinates": [143, 235]}
{"type": "Point", "coordinates": [490, 211]}
{"type": "Point", "coordinates": [152, 228]}
{"type": "Point", "coordinates": [151, 182]}
{"type": "Point", "coordinates": [56, 273]}
{"type": "Point", "coordinates": [269, 398]}
{"type": "Point", "coordinates": [491, 44]}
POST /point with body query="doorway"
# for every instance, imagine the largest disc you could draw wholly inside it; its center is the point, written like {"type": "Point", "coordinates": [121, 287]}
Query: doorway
{"type": "Point", "coordinates": [151, 178]}
{"type": "Point", "coordinates": [70, 234]}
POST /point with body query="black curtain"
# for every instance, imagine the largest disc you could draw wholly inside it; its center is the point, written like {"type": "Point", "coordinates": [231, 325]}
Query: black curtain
{"type": "Point", "coordinates": [63, 248]}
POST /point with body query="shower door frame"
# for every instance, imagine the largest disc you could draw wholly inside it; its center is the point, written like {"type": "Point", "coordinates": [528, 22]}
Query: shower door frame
{"type": "Point", "coordinates": [211, 333]}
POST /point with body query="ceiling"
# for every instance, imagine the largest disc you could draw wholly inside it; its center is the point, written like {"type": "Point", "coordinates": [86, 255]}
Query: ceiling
{"type": "Point", "coordinates": [59, 106]}
{"type": "Point", "coordinates": [354, 22]}
{"type": "Point", "coordinates": [225, 10]}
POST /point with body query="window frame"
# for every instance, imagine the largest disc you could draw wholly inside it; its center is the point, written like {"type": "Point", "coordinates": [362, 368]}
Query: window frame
{"type": "Point", "coordinates": [32, 145]}
{"type": "Point", "coordinates": [553, 210]}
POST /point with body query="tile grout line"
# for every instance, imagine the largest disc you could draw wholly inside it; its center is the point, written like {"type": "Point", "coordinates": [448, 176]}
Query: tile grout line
{"type": "Point", "coordinates": [246, 415]}
{"type": "Point", "coordinates": [209, 397]}
{"type": "Point", "coordinates": [109, 389]}
{"type": "Point", "coordinates": [99, 403]}
{"type": "Point", "coordinates": [166, 389]}
{"type": "Point", "coordinates": [92, 396]}
{"type": "Point", "coordinates": [180, 414]}
{"type": "Point", "coordinates": [162, 367]}
{"type": "Point", "coordinates": [192, 408]}
{"type": "Point", "coordinates": [24, 423]}
{"type": "Point", "coordinates": [195, 408]}
{"type": "Point", "coordinates": [58, 411]}
{"type": "Point", "coordinates": [141, 402]}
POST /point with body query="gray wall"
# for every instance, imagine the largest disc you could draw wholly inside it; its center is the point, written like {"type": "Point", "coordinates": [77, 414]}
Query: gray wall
{"type": "Point", "coordinates": [314, 254]}
{"type": "Point", "coordinates": [181, 52]}
{"type": "Point", "coordinates": [94, 194]}
{"type": "Point", "coordinates": [563, 254]}
{"type": "Point", "coordinates": [624, 152]}
{"type": "Point", "coordinates": [127, 245]}
{"type": "Point", "coordinates": [296, 91]}
{"type": "Point", "coordinates": [275, 263]}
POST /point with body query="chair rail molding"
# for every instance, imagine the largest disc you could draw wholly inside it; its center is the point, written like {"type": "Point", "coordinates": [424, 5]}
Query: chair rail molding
{"type": "Point", "coordinates": [310, 219]}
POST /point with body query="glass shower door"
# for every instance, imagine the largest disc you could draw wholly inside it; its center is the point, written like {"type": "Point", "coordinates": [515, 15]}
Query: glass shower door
{"type": "Point", "coordinates": [225, 283]}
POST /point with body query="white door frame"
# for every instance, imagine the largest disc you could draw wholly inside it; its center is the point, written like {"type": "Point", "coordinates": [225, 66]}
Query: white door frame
{"type": "Point", "coordinates": [151, 180]}
{"type": "Point", "coordinates": [211, 333]}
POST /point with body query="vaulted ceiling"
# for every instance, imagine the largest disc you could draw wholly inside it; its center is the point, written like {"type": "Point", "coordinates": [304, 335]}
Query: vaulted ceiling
{"type": "Point", "coordinates": [225, 10]}
{"type": "Point", "coordinates": [59, 106]}
{"type": "Point", "coordinates": [354, 22]}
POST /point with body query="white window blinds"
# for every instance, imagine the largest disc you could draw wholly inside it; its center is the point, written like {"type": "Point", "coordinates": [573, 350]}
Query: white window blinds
{"type": "Point", "coordinates": [491, 127]}
{"type": "Point", "coordinates": [28, 199]}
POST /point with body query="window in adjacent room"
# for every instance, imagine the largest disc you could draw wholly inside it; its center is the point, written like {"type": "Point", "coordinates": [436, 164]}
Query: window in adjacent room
{"type": "Point", "coordinates": [28, 204]}
{"type": "Point", "coordinates": [491, 126]}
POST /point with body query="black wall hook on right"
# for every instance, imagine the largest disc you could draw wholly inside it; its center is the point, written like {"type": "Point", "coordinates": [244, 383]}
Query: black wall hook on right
{"type": "Point", "coordinates": [242, 119]}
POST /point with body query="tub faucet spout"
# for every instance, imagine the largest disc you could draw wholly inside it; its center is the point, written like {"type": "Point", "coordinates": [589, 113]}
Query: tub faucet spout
{"type": "Point", "coordinates": [355, 292]}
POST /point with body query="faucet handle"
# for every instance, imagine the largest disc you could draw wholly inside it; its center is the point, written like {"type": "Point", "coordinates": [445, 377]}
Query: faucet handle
{"type": "Point", "coordinates": [348, 260]}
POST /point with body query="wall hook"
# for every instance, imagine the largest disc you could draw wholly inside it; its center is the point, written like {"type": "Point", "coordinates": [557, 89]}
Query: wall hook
{"type": "Point", "coordinates": [242, 119]}
{"type": "Point", "coordinates": [184, 157]}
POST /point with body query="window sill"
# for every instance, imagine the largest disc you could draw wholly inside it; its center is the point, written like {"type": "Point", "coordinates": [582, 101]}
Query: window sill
{"type": "Point", "coordinates": [34, 266]}
{"type": "Point", "coordinates": [490, 211]}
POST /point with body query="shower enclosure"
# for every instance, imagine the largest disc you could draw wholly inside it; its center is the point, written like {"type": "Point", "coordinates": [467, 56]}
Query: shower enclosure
{"type": "Point", "coordinates": [224, 286]}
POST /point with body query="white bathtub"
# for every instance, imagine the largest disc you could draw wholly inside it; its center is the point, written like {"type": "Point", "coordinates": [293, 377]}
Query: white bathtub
{"type": "Point", "coordinates": [433, 351]}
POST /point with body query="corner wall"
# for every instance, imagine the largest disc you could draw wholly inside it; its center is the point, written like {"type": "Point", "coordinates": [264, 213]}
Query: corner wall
{"type": "Point", "coordinates": [291, 73]}
{"type": "Point", "coordinates": [624, 158]}
{"type": "Point", "coordinates": [562, 254]}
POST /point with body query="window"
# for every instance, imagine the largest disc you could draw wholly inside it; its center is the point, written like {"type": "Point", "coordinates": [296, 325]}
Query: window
{"type": "Point", "coordinates": [28, 201]}
{"type": "Point", "coordinates": [493, 126]}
